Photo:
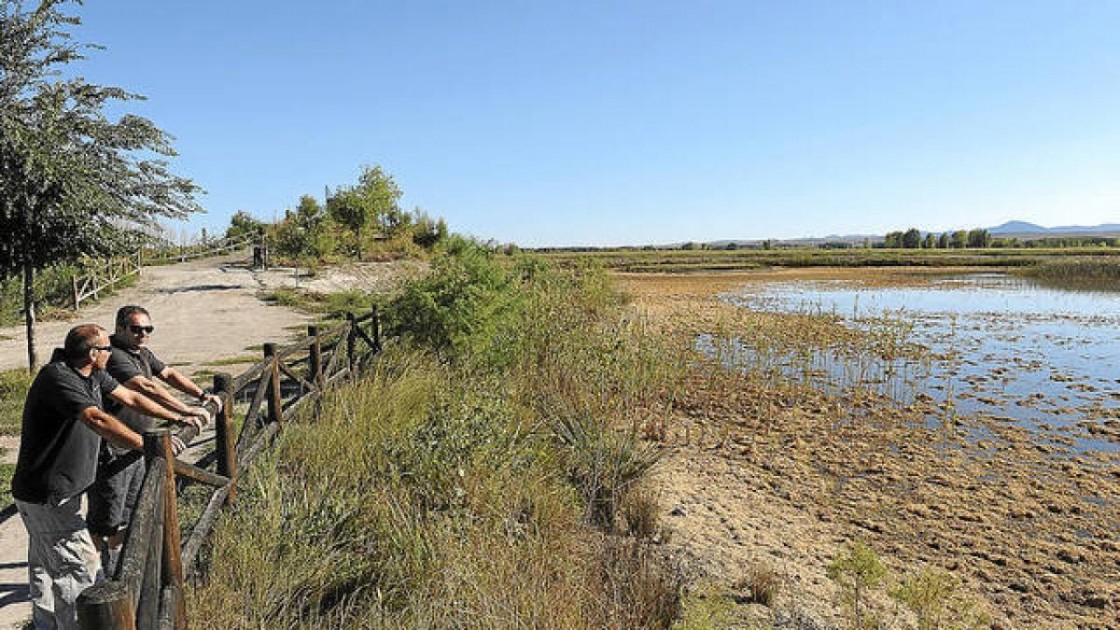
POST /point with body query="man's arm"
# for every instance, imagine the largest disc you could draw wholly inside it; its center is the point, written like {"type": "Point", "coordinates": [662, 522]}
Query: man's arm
{"type": "Point", "coordinates": [160, 395]}
{"type": "Point", "coordinates": [108, 427]}
{"type": "Point", "coordinates": [179, 381]}
{"type": "Point", "coordinates": [149, 407]}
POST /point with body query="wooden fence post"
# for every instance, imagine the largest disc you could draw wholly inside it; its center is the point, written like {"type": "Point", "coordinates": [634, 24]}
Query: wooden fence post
{"type": "Point", "coordinates": [158, 444]}
{"type": "Point", "coordinates": [351, 342]}
{"type": "Point", "coordinates": [74, 289]}
{"type": "Point", "coordinates": [375, 326]}
{"type": "Point", "coordinates": [275, 404]}
{"type": "Point", "coordinates": [107, 606]}
{"type": "Point", "coordinates": [225, 447]}
{"type": "Point", "coordinates": [315, 357]}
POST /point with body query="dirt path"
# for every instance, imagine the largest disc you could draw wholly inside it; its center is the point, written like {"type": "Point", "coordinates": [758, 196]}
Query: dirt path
{"type": "Point", "coordinates": [203, 311]}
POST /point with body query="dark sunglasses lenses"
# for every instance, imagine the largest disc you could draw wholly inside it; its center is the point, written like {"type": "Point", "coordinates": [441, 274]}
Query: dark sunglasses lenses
{"type": "Point", "coordinates": [141, 329]}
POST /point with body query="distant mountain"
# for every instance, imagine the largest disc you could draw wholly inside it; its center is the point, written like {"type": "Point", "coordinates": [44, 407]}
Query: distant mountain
{"type": "Point", "coordinates": [1016, 227]}
{"type": "Point", "coordinates": [1022, 227]}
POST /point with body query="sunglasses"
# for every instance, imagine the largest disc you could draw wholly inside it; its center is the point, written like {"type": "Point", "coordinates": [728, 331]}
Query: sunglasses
{"type": "Point", "coordinates": [136, 330]}
{"type": "Point", "coordinates": [102, 348]}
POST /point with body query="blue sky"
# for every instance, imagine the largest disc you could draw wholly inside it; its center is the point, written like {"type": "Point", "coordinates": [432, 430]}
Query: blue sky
{"type": "Point", "coordinates": [608, 123]}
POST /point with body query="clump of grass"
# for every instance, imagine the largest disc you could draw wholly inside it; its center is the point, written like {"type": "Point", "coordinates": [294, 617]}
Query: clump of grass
{"type": "Point", "coordinates": [13, 390]}
{"type": "Point", "coordinates": [935, 597]}
{"type": "Point", "coordinates": [238, 360]}
{"type": "Point", "coordinates": [760, 584]}
{"type": "Point", "coordinates": [330, 306]}
{"type": "Point", "coordinates": [705, 607]}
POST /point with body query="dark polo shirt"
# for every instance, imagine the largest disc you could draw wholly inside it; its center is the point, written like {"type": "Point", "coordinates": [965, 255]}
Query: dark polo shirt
{"type": "Point", "coordinates": [58, 452]}
{"type": "Point", "coordinates": [124, 365]}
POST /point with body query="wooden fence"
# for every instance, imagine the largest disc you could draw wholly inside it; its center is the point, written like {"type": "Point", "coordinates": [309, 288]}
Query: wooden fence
{"type": "Point", "coordinates": [147, 589]}
{"type": "Point", "coordinates": [184, 253]}
{"type": "Point", "coordinates": [106, 274]}
{"type": "Point", "coordinates": [102, 275]}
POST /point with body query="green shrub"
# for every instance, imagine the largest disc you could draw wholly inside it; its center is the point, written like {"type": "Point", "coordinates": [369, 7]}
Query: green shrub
{"type": "Point", "coordinates": [935, 598]}
{"type": "Point", "coordinates": [857, 570]}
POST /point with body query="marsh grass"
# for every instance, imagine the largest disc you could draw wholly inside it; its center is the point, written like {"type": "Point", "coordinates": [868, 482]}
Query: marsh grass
{"type": "Point", "coordinates": [483, 474]}
{"type": "Point", "coordinates": [1100, 274]}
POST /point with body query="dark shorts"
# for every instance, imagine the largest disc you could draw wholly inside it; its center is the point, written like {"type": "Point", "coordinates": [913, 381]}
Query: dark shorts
{"type": "Point", "coordinates": [114, 493]}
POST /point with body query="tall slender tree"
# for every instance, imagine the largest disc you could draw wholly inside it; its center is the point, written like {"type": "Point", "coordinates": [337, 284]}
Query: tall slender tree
{"type": "Point", "coordinates": [73, 181]}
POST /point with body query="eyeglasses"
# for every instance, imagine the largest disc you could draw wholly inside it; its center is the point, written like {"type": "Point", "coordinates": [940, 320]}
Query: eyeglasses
{"type": "Point", "coordinates": [136, 330]}
{"type": "Point", "coordinates": [102, 348]}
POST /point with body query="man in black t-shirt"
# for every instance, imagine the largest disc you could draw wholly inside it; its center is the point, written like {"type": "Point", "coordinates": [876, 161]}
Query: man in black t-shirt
{"type": "Point", "coordinates": [63, 424]}
{"type": "Point", "coordinates": [119, 473]}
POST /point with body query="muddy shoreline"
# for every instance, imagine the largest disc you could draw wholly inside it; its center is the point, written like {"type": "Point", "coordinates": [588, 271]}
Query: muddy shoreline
{"type": "Point", "coordinates": [787, 476]}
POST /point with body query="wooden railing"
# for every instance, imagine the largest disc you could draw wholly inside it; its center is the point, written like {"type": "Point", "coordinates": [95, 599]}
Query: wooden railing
{"type": "Point", "coordinates": [184, 253]}
{"type": "Point", "coordinates": [103, 275]}
{"type": "Point", "coordinates": [147, 589]}
{"type": "Point", "coordinates": [106, 274]}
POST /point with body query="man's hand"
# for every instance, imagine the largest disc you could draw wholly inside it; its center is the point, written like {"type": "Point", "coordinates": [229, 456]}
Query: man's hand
{"type": "Point", "coordinates": [199, 413]}
{"type": "Point", "coordinates": [177, 445]}
{"type": "Point", "coordinates": [211, 398]}
{"type": "Point", "coordinates": [193, 419]}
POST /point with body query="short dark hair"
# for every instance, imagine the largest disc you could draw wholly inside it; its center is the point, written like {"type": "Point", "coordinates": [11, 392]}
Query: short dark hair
{"type": "Point", "coordinates": [80, 339]}
{"type": "Point", "coordinates": [125, 313]}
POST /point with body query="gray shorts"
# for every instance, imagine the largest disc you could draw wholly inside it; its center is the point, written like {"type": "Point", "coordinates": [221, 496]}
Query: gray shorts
{"type": "Point", "coordinates": [114, 493]}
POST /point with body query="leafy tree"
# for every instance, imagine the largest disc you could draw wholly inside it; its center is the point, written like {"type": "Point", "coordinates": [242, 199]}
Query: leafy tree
{"type": "Point", "coordinates": [979, 238]}
{"type": "Point", "coordinates": [73, 181]}
{"type": "Point", "coordinates": [912, 239]}
{"type": "Point", "coordinates": [243, 224]}
{"type": "Point", "coordinates": [930, 241]}
{"type": "Point", "coordinates": [893, 240]}
{"type": "Point", "coordinates": [427, 232]}
{"type": "Point", "coordinates": [373, 201]}
{"type": "Point", "coordinates": [960, 239]}
{"type": "Point", "coordinates": [943, 241]}
{"type": "Point", "coordinates": [305, 232]}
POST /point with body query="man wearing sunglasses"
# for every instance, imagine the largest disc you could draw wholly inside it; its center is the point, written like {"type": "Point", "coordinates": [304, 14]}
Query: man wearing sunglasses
{"type": "Point", "coordinates": [120, 473]}
{"type": "Point", "coordinates": [64, 422]}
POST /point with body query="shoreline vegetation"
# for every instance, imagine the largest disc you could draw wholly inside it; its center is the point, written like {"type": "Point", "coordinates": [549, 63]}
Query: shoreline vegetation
{"type": "Point", "coordinates": [546, 447]}
{"type": "Point", "coordinates": [523, 457]}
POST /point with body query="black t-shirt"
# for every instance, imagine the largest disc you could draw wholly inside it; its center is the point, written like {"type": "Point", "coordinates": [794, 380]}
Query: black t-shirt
{"type": "Point", "coordinates": [124, 365]}
{"type": "Point", "coordinates": [58, 452]}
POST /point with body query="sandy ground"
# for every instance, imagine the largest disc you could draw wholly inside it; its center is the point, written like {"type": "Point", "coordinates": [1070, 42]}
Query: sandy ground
{"type": "Point", "coordinates": [203, 311]}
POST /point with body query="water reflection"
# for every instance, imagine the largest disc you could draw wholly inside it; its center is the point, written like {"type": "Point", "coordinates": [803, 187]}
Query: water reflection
{"type": "Point", "coordinates": [998, 346]}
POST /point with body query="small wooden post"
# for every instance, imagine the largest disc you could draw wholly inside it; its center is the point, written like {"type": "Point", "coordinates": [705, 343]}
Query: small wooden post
{"type": "Point", "coordinates": [226, 447]}
{"type": "Point", "coordinates": [351, 342]}
{"type": "Point", "coordinates": [375, 326]}
{"type": "Point", "coordinates": [158, 444]}
{"type": "Point", "coordinates": [275, 404]}
{"type": "Point", "coordinates": [74, 289]}
{"type": "Point", "coordinates": [107, 606]}
{"type": "Point", "coordinates": [147, 604]}
{"type": "Point", "coordinates": [316, 358]}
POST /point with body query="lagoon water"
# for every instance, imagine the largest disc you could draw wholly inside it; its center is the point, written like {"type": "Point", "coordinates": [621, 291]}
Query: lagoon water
{"type": "Point", "coordinates": [998, 346]}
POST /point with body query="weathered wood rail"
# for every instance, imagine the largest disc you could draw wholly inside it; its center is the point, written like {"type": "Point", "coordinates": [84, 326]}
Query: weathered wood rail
{"type": "Point", "coordinates": [103, 275]}
{"type": "Point", "coordinates": [183, 253]}
{"type": "Point", "coordinates": [147, 589]}
{"type": "Point", "coordinates": [99, 276]}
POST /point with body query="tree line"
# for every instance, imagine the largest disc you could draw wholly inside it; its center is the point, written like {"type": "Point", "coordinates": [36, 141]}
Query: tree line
{"type": "Point", "coordinates": [364, 220]}
{"type": "Point", "coordinates": [959, 239]}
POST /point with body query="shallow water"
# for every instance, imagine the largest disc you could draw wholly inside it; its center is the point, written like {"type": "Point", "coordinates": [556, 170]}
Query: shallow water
{"type": "Point", "coordinates": [998, 346]}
